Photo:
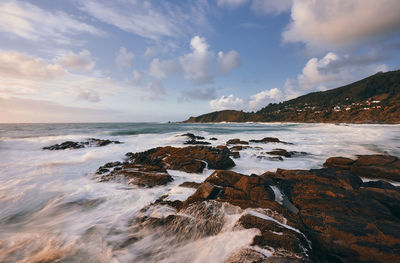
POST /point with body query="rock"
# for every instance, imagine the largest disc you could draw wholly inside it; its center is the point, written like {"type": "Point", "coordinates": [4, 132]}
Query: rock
{"type": "Point", "coordinates": [191, 159]}
{"type": "Point", "coordinates": [190, 185]}
{"type": "Point", "coordinates": [213, 139]}
{"type": "Point", "coordinates": [339, 162]}
{"type": "Point", "coordinates": [92, 142]}
{"type": "Point", "coordinates": [64, 146]}
{"type": "Point", "coordinates": [235, 155]}
{"type": "Point", "coordinates": [149, 168]}
{"type": "Point", "coordinates": [194, 142]}
{"type": "Point", "coordinates": [344, 222]}
{"type": "Point", "coordinates": [285, 153]}
{"type": "Point", "coordinates": [236, 141]}
{"type": "Point", "coordinates": [268, 140]}
{"type": "Point", "coordinates": [237, 189]}
{"type": "Point", "coordinates": [133, 174]}
{"type": "Point", "coordinates": [192, 136]}
{"type": "Point", "coordinates": [274, 158]}
{"type": "Point", "coordinates": [369, 166]}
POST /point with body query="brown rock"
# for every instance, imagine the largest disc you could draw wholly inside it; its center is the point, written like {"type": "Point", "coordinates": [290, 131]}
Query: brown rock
{"type": "Point", "coordinates": [190, 185]}
{"type": "Point", "coordinates": [236, 141]}
{"type": "Point", "coordinates": [268, 140]}
{"type": "Point", "coordinates": [345, 223]}
{"type": "Point", "coordinates": [369, 166]}
{"type": "Point", "coordinates": [339, 162]}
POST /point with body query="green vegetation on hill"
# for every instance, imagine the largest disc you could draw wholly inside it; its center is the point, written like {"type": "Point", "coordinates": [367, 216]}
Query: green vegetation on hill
{"type": "Point", "coordinates": [375, 99]}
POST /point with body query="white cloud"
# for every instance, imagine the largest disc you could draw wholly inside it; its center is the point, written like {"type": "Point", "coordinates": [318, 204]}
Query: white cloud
{"type": "Point", "coordinates": [162, 68]}
{"type": "Point", "coordinates": [25, 75]}
{"type": "Point", "coordinates": [17, 65]}
{"type": "Point", "coordinates": [341, 22]}
{"type": "Point", "coordinates": [198, 94]}
{"type": "Point", "coordinates": [263, 98]}
{"type": "Point", "coordinates": [14, 110]}
{"type": "Point", "coordinates": [150, 19]}
{"type": "Point", "coordinates": [197, 65]}
{"type": "Point", "coordinates": [331, 71]}
{"type": "Point", "coordinates": [28, 21]}
{"type": "Point", "coordinates": [227, 103]}
{"type": "Point", "coordinates": [271, 6]}
{"type": "Point", "coordinates": [78, 62]}
{"type": "Point", "coordinates": [231, 3]}
{"type": "Point", "coordinates": [124, 58]}
{"type": "Point", "coordinates": [229, 61]}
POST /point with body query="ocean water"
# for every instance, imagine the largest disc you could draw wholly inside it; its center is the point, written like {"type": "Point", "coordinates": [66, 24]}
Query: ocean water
{"type": "Point", "coordinates": [53, 209]}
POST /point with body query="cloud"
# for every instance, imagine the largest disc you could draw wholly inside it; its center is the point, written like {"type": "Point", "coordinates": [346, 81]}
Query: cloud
{"type": "Point", "coordinates": [341, 22]}
{"type": "Point", "coordinates": [151, 19]}
{"type": "Point", "coordinates": [25, 75]}
{"type": "Point", "coordinates": [263, 98]}
{"type": "Point", "coordinates": [229, 61]}
{"type": "Point", "coordinates": [124, 58]}
{"type": "Point", "coordinates": [17, 65]}
{"type": "Point", "coordinates": [161, 69]}
{"type": "Point", "coordinates": [226, 103]}
{"type": "Point", "coordinates": [231, 3]}
{"type": "Point", "coordinates": [20, 110]}
{"type": "Point", "coordinates": [197, 65]}
{"type": "Point", "coordinates": [78, 62]}
{"type": "Point", "coordinates": [332, 71]}
{"type": "Point", "coordinates": [198, 94]}
{"type": "Point", "coordinates": [30, 22]}
{"type": "Point", "coordinates": [271, 6]}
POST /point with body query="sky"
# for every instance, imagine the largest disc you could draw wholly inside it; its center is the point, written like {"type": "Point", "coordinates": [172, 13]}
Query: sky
{"type": "Point", "coordinates": [152, 61]}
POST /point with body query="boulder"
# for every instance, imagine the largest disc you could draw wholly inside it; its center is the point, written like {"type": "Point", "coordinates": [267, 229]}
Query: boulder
{"type": "Point", "coordinates": [345, 221]}
{"type": "Point", "coordinates": [236, 141]}
{"type": "Point", "coordinates": [149, 168]}
{"type": "Point", "coordinates": [92, 142]}
{"type": "Point", "coordinates": [285, 153]}
{"type": "Point", "coordinates": [376, 166]}
{"type": "Point", "coordinates": [269, 140]}
{"type": "Point", "coordinates": [192, 136]}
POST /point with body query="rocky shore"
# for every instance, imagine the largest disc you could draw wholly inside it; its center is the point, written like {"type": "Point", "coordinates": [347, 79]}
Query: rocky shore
{"type": "Point", "coordinates": [348, 211]}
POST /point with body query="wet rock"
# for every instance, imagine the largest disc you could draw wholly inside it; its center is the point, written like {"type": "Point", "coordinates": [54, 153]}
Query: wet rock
{"type": "Point", "coordinates": [65, 145]}
{"type": "Point", "coordinates": [234, 188]}
{"type": "Point", "coordinates": [92, 142]}
{"type": "Point", "coordinates": [285, 153]}
{"type": "Point", "coordinates": [191, 136]}
{"type": "Point", "coordinates": [269, 140]}
{"type": "Point", "coordinates": [369, 166]}
{"type": "Point", "coordinates": [236, 141]}
{"type": "Point", "coordinates": [344, 221]}
{"type": "Point", "coordinates": [235, 155]}
{"type": "Point", "coordinates": [149, 168]}
{"type": "Point", "coordinates": [194, 142]}
{"type": "Point", "coordinates": [190, 185]}
{"type": "Point", "coordinates": [339, 162]}
{"type": "Point", "coordinates": [135, 175]}
{"type": "Point", "coordinates": [191, 159]}
{"type": "Point", "coordinates": [213, 139]}
{"type": "Point", "coordinates": [274, 158]}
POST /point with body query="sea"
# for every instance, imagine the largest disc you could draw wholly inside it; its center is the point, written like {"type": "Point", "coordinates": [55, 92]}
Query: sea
{"type": "Point", "coordinates": [54, 209]}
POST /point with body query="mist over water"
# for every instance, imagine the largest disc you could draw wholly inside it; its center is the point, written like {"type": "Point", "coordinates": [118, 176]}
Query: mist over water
{"type": "Point", "coordinates": [51, 207]}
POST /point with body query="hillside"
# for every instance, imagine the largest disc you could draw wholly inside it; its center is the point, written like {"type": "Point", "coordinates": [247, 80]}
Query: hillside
{"type": "Point", "coordinates": [375, 99]}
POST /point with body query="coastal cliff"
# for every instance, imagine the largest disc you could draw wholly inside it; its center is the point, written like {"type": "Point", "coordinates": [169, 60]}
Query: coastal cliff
{"type": "Point", "coordinates": [375, 99]}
